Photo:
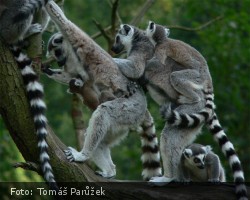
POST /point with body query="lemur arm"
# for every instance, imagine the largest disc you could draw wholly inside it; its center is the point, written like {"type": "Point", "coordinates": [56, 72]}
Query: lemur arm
{"type": "Point", "coordinates": [58, 75]}
{"type": "Point", "coordinates": [213, 167]}
{"type": "Point", "coordinates": [127, 68]}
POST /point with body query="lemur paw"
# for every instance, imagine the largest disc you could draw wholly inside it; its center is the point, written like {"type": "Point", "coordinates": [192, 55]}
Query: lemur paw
{"type": "Point", "coordinates": [214, 181]}
{"type": "Point", "coordinates": [185, 181]}
{"type": "Point", "coordinates": [160, 181]}
{"type": "Point", "coordinates": [35, 28]}
{"type": "Point", "coordinates": [105, 174]}
{"type": "Point", "coordinates": [74, 155]}
{"type": "Point", "coordinates": [132, 87]}
{"type": "Point", "coordinates": [78, 82]}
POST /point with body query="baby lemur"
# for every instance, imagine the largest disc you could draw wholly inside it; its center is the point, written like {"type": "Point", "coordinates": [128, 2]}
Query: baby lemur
{"type": "Point", "coordinates": [16, 18]}
{"type": "Point", "coordinates": [111, 120]}
{"type": "Point", "coordinates": [200, 163]}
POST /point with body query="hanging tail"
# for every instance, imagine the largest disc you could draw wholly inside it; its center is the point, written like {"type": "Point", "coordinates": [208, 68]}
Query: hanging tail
{"type": "Point", "coordinates": [229, 151]}
{"type": "Point", "coordinates": [174, 118]}
{"type": "Point", "coordinates": [150, 149]}
{"type": "Point", "coordinates": [35, 97]}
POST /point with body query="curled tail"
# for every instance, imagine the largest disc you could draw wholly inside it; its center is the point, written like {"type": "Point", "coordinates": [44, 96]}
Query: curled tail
{"type": "Point", "coordinates": [150, 149]}
{"type": "Point", "coordinates": [35, 97]}
{"type": "Point", "coordinates": [181, 120]}
{"type": "Point", "coordinates": [229, 151]}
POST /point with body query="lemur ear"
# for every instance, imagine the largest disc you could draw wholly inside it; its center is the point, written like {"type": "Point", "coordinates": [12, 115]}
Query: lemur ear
{"type": "Point", "coordinates": [187, 153]}
{"type": "Point", "coordinates": [207, 148]}
{"type": "Point", "coordinates": [151, 25]}
{"type": "Point", "coordinates": [167, 32]}
{"type": "Point", "coordinates": [128, 30]}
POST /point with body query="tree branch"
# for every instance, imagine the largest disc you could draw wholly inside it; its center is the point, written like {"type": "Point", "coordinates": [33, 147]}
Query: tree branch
{"type": "Point", "coordinates": [136, 20]}
{"type": "Point", "coordinates": [197, 28]}
{"type": "Point", "coordinates": [102, 30]}
{"type": "Point", "coordinates": [114, 16]}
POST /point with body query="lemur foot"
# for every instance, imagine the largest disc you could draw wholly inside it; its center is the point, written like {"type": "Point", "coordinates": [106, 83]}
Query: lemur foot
{"type": "Point", "coordinates": [160, 181]}
{"type": "Point", "coordinates": [214, 181]}
{"type": "Point", "coordinates": [105, 174]}
{"type": "Point", "coordinates": [185, 181]}
{"type": "Point", "coordinates": [74, 155]}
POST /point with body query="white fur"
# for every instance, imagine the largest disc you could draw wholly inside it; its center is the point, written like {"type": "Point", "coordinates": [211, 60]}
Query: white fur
{"type": "Point", "coordinates": [33, 86]}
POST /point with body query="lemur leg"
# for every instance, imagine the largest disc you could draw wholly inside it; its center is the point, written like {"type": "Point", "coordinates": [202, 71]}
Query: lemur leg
{"type": "Point", "coordinates": [172, 143]}
{"type": "Point", "coordinates": [58, 75]}
{"type": "Point", "coordinates": [108, 119]}
{"type": "Point", "coordinates": [102, 158]}
{"type": "Point", "coordinates": [187, 83]}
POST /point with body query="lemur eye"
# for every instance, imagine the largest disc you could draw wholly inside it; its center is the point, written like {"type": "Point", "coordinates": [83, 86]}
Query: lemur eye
{"type": "Point", "coordinates": [196, 160]}
{"type": "Point", "coordinates": [58, 40]}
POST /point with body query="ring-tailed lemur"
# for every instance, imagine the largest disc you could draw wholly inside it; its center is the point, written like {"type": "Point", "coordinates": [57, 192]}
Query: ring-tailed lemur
{"type": "Point", "coordinates": [111, 121]}
{"type": "Point", "coordinates": [125, 40]}
{"type": "Point", "coordinates": [200, 163]}
{"type": "Point", "coordinates": [157, 77]}
{"type": "Point", "coordinates": [193, 77]}
{"type": "Point", "coordinates": [16, 24]}
{"type": "Point", "coordinates": [72, 72]}
{"type": "Point", "coordinates": [61, 52]}
{"type": "Point", "coordinates": [196, 69]}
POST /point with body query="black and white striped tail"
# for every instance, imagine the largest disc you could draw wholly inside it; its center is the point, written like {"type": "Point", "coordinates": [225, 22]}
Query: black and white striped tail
{"type": "Point", "coordinates": [182, 120]}
{"type": "Point", "coordinates": [35, 97]}
{"type": "Point", "coordinates": [229, 151]}
{"type": "Point", "coordinates": [150, 150]}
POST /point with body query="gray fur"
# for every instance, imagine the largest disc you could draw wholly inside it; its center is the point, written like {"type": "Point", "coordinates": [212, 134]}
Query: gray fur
{"type": "Point", "coordinates": [111, 121]}
{"type": "Point", "coordinates": [16, 18]}
{"type": "Point", "coordinates": [200, 163]}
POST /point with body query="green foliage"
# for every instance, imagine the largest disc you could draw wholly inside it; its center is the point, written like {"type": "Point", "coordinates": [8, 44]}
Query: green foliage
{"type": "Point", "coordinates": [225, 44]}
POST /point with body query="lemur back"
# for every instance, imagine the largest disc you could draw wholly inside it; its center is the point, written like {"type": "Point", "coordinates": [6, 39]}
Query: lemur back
{"type": "Point", "coordinates": [199, 163]}
{"type": "Point", "coordinates": [16, 24]}
{"type": "Point", "coordinates": [187, 79]}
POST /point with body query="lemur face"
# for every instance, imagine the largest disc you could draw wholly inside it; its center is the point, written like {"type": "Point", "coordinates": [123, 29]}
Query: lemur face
{"type": "Point", "coordinates": [197, 160]}
{"type": "Point", "coordinates": [55, 45]}
{"type": "Point", "coordinates": [56, 50]}
{"type": "Point", "coordinates": [156, 33]}
{"type": "Point", "coordinates": [123, 39]}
